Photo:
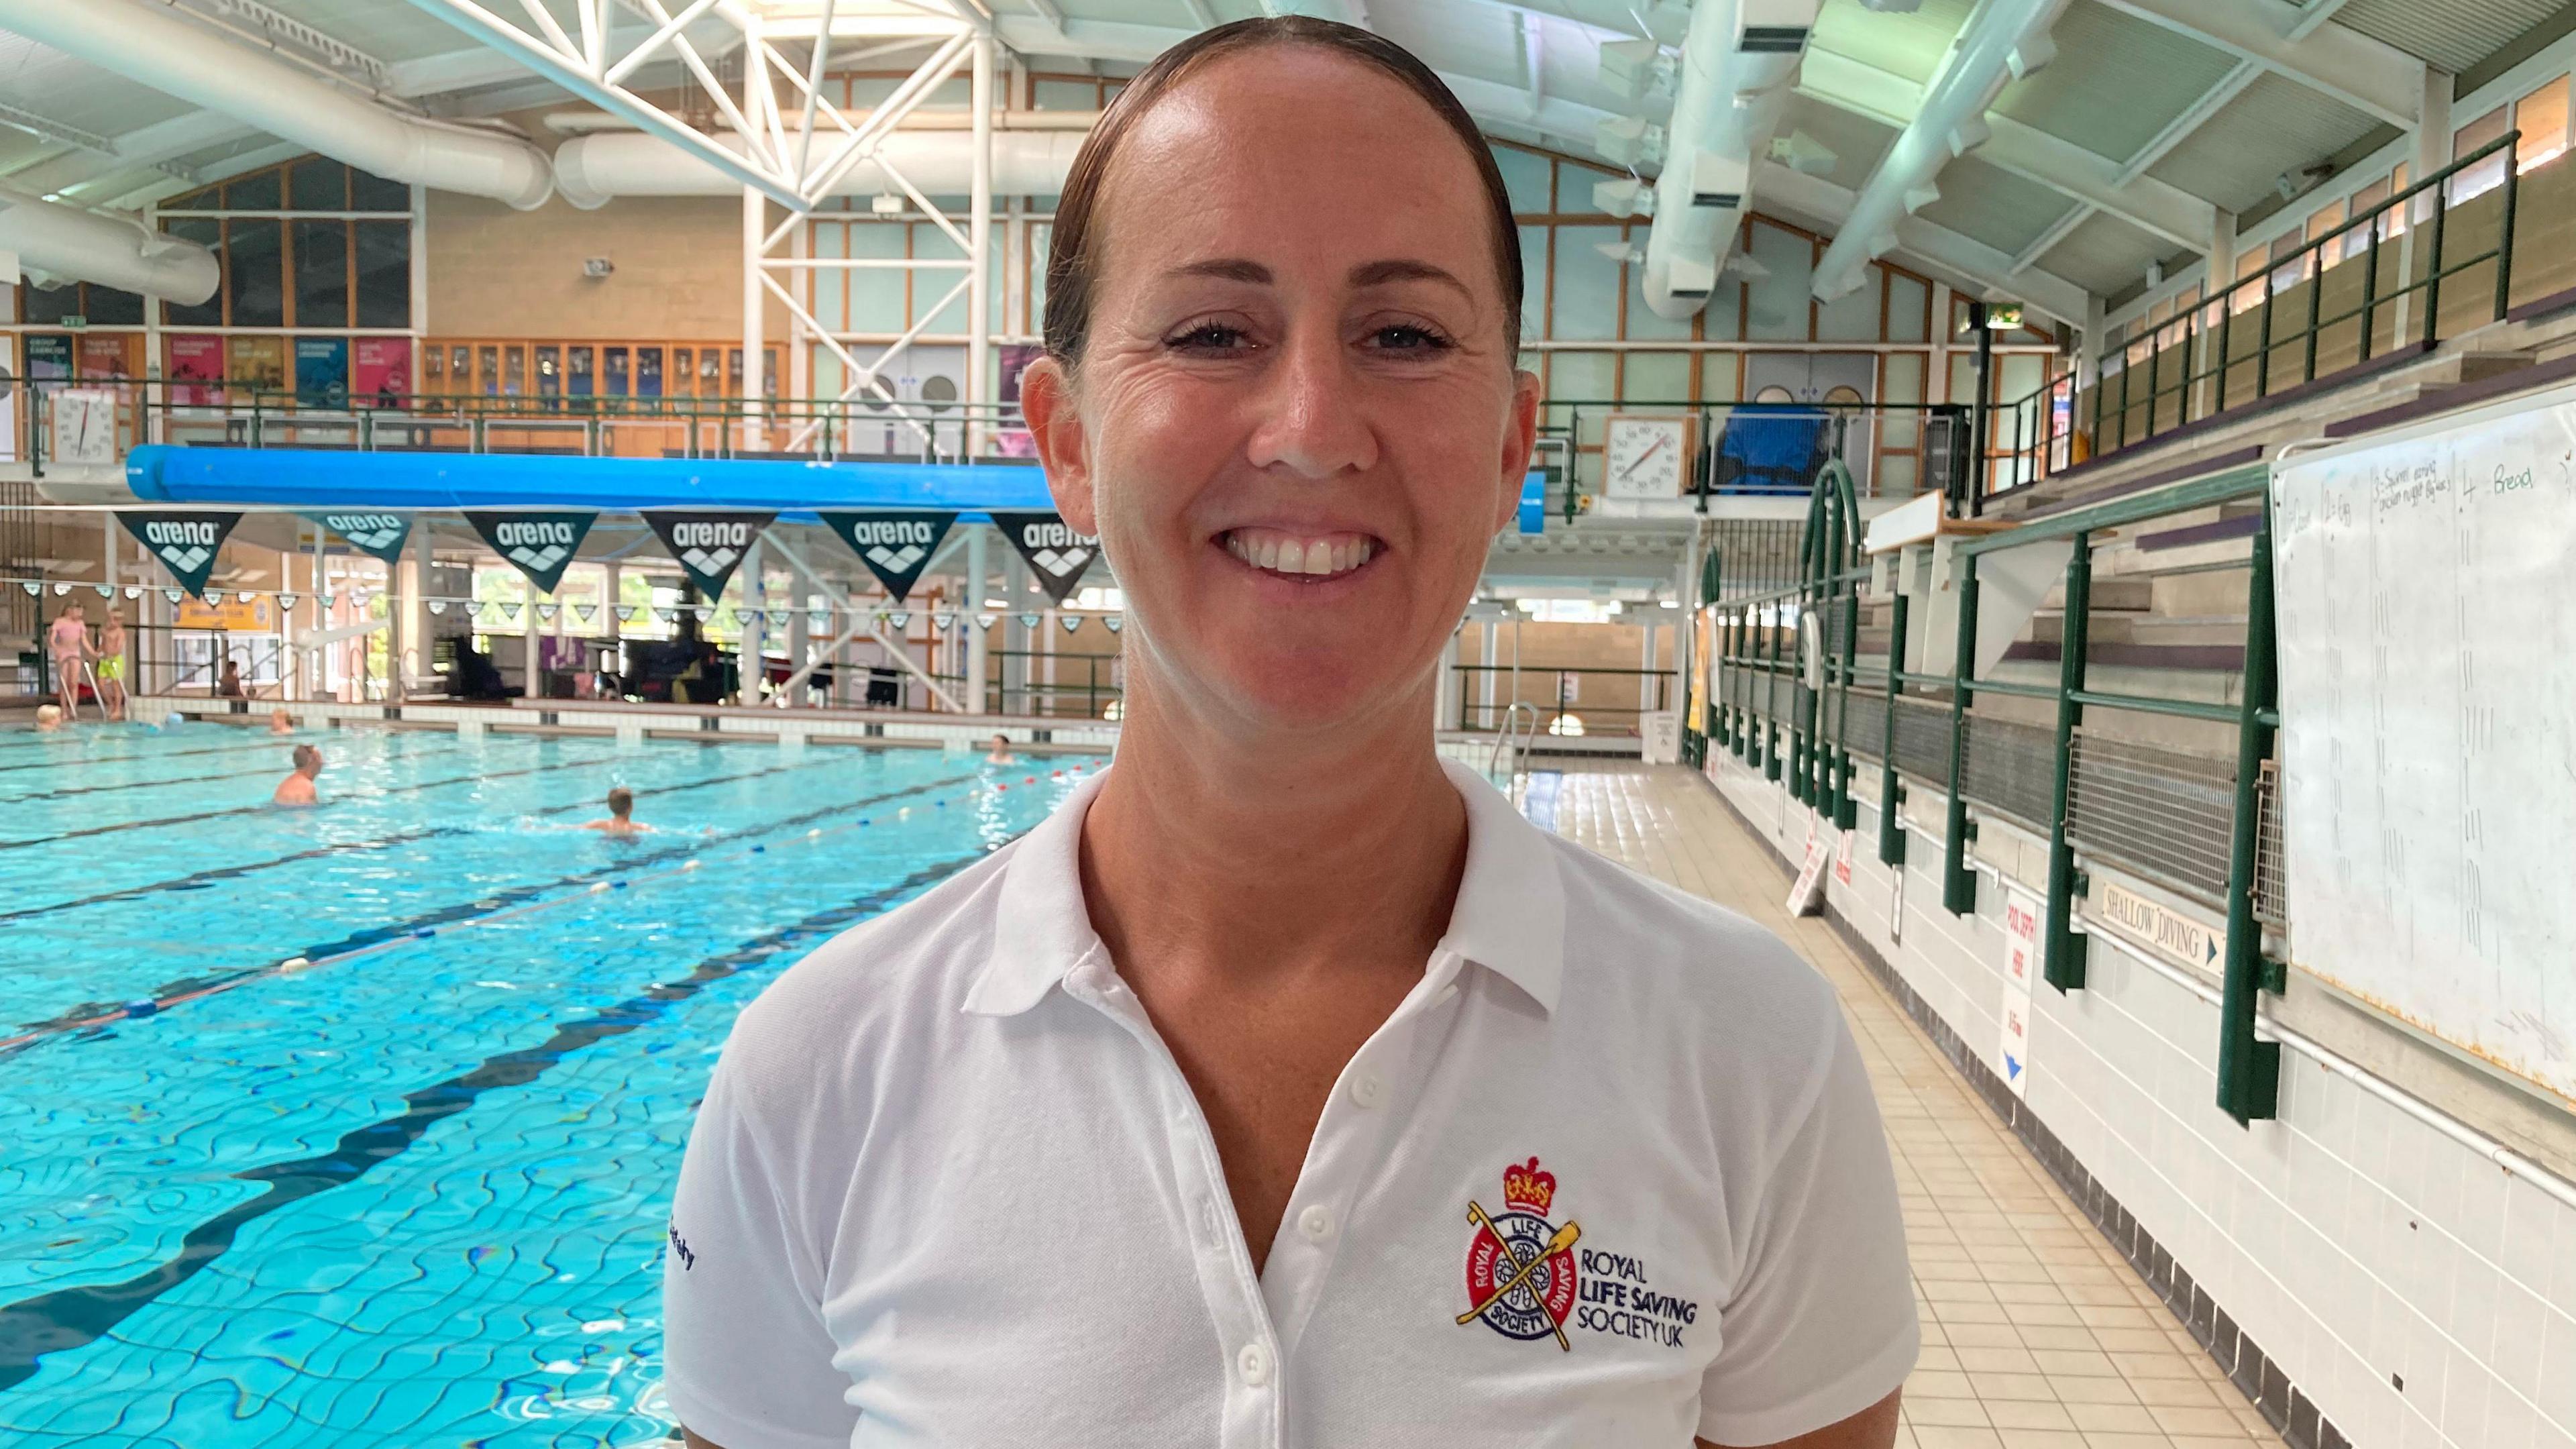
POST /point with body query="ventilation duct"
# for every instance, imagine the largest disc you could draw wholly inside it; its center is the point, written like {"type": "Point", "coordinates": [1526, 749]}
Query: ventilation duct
{"type": "Point", "coordinates": [1739, 61]}
{"type": "Point", "coordinates": [2002, 40]}
{"type": "Point", "coordinates": [150, 44]}
{"type": "Point", "coordinates": [66, 244]}
{"type": "Point", "coordinates": [591, 169]}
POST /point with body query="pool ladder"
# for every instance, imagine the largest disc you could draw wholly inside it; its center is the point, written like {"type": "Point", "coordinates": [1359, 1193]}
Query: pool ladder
{"type": "Point", "coordinates": [1517, 744]}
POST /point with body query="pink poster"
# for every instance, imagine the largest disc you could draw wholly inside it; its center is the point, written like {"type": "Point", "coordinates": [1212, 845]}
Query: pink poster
{"type": "Point", "coordinates": [195, 369]}
{"type": "Point", "coordinates": [381, 372]}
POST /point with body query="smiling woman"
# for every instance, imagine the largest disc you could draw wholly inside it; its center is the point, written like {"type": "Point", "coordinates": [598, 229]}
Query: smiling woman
{"type": "Point", "coordinates": [1177, 1120]}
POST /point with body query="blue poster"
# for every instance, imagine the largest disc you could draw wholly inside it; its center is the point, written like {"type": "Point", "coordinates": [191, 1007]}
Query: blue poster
{"type": "Point", "coordinates": [322, 371]}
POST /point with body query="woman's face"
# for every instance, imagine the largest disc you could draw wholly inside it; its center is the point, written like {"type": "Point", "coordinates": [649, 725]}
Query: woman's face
{"type": "Point", "coordinates": [1295, 428]}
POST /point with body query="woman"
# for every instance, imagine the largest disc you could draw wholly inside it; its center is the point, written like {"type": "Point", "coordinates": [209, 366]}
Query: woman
{"type": "Point", "coordinates": [1285, 1087]}
{"type": "Point", "coordinates": [111, 665]}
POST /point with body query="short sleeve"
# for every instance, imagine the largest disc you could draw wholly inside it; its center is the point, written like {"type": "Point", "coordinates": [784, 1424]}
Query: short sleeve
{"type": "Point", "coordinates": [747, 1360]}
{"type": "Point", "coordinates": [1821, 1324]}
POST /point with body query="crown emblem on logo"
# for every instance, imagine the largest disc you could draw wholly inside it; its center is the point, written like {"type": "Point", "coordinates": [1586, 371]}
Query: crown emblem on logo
{"type": "Point", "coordinates": [1527, 1188]}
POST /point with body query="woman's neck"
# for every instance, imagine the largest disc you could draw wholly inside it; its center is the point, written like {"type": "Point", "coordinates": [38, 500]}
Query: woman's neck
{"type": "Point", "coordinates": [1270, 857]}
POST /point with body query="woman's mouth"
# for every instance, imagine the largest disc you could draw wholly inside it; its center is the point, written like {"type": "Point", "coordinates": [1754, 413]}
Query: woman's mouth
{"type": "Point", "coordinates": [1301, 556]}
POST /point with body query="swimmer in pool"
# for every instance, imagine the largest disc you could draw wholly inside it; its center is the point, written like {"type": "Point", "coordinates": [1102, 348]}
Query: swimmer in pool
{"type": "Point", "coordinates": [49, 718]}
{"type": "Point", "coordinates": [280, 722]}
{"type": "Point", "coordinates": [621, 812]}
{"type": "Point", "coordinates": [111, 665]}
{"type": "Point", "coordinates": [1000, 754]}
{"type": "Point", "coordinates": [297, 789]}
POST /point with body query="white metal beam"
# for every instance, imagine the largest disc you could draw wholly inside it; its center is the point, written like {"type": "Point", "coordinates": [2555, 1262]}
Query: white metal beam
{"type": "Point", "coordinates": [2096, 181]}
{"type": "Point", "coordinates": [1986, 270]}
{"type": "Point", "coordinates": [2180, 128]}
{"type": "Point", "coordinates": [2370, 76]}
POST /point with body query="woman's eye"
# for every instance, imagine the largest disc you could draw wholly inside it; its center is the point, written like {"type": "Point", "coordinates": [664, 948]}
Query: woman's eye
{"type": "Point", "coordinates": [1405, 337]}
{"type": "Point", "coordinates": [1206, 337]}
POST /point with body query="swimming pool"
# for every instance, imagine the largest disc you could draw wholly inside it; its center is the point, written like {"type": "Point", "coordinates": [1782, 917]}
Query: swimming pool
{"type": "Point", "coordinates": [412, 1193]}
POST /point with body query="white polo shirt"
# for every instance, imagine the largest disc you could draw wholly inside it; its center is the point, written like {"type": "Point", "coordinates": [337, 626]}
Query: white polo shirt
{"type": "Point", "coordinates": [1611, 1175]}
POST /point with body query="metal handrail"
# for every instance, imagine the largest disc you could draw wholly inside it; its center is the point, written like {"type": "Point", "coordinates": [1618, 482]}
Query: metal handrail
{"type": "Point", "coordinates": [1504, 739]}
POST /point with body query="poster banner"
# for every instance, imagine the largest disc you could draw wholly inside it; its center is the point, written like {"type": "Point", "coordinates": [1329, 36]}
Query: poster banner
{"type": "Point", "coordinates": [381, 374]}
{"type": "Point", "coordinates": [195, 369]}
{"type": "Point", "coordinates": [1056, 554]}
{"type": "Point", "coordinates": [107, 357]}
{"type": "Point", "coordinates": [710, 545]}
{"type": "Point", "coordinates": [256, 615]}
{"type": "Point", "coordinates": [257, 361]}
{"type": "Point", "coordinates": [322, 371]}
{"type": "Point", "coordinates": [370, 531]}
{"type": "Point", "coordinates": [185, 543]}
{"type": "Point", "coordinates": [538, 544]}
{"type": "Point", "coordinates": [49, 357]}
{"type": "Point", "coordinates": [895, 545]}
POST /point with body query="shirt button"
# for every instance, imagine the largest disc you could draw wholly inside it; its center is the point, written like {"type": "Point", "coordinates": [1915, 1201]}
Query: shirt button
{"type": "Point", "coordinates": [1254, 1364]}
{"type": "Point", "coordinates": [1367, 1088]}
{"type": "Point", "coordinates": [1316, 1223]}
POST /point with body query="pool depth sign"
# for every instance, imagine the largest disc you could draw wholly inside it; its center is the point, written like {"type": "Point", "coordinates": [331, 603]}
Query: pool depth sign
{"type": "Point", "coordinates": [710, 545]}
{"type": "Point", "coordinates": [186, 543]}
{"type": "Point", "coordinates": [538, 544]}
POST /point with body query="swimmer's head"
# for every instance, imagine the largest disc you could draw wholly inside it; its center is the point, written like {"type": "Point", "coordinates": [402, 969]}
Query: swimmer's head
{"type": "Point", "coordinates": [621, 802]}
{"type": "Point", "coordinates": [49, 716]}
{"type": "Point", "coordinates": [1001, 743]}
{"type": "Point", "coordinates": [308, 759]}
{"type": "Point", "coordinates": [280, 722]}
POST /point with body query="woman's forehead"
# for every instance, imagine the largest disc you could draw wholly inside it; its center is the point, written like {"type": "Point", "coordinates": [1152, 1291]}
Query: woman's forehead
{"type": "Point", "coordinates": [1291, 147]}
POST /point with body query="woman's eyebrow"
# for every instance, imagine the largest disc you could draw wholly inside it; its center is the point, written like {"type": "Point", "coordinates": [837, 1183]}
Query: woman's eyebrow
{"type": "Point", "coordinates": [1229, 269]}
{"type": "Point", "coordinates": [1405, 269]}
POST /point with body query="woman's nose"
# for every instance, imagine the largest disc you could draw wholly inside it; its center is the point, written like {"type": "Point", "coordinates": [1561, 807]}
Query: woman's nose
{"type": "Point", "coordinates": [1312, 422]}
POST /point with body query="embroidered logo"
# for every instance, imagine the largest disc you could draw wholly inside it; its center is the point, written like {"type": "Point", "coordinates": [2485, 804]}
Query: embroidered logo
{"type": "Point", "coordinates": [1520, 1266]}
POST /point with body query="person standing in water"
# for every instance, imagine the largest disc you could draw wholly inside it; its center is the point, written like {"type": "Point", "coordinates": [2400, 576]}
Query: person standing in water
{"type": "Point", "coordinates": [280, 722]}
{"type": "Point", "coordinates": [297, 789]}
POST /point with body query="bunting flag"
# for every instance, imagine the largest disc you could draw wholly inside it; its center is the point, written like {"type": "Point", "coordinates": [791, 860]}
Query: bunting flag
{"type": "Point", "coordinates": [186, 543]}
{"type": "Point", "coordinates": [626, 614]}
{"type": "Point", "coordinates": [61, 589]}
{"type": "Point", "coordinates": [777, 618]}
{"type": "Point", "coordinates": [820, 621]}
{"type": "Point", "coordinates": [547, 612]}
{"type": "Point", "coordinates": [900, 618]}
{"type": "Point", "coordinates": [896, 545]}
{"type": "Point", "coordinates": [704, 612]}
{"type": "Point", "coordinates": [1028, 621]}
{"type": "Point", "coordinates": [438, 606]}
{"type": "Point", "coordinates": [32, 587]}
{"type": "Point", "coordinates": [174, 595]}
{"type": "Point", "coordinates": [742, 617]}
{"type": "Point", "coordinates": [667, 616]}
{"type": "Point", "coordinates": [105, 591]}
{"type": "Point", "coordinates": [288, 602]}
{"type": "Point", "coordinates": [1113, 622]}
{"type": "Point", "coordinates": [134, 591]}
{"type": "Point", "coordinates": [368, 530]}
{"type": "Point", "coordinates": [943, 618]}
{"type": "Point", "coordinates": [510, 612]}
{"type": "Point", "coordinates": [985, 621]}
{"type": "Point", "coordinates": [247, 597]}
{"type": "Point", "coordinates": [540, 545]}
{"type": "Point", "coordinates": [585, 612]}
{"type": "Point", "coordinates": [1056, 554]}
{"type": "Point", "coordinates": [1071, 622]}
{"type": "Point", "coordinates": [710, 546]}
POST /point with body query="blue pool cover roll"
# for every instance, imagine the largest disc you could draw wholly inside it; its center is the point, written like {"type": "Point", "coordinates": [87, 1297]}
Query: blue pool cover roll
{"type": "Point", "coordinates": [321, 478]}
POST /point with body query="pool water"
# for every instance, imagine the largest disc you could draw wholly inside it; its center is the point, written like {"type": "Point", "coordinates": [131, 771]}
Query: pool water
{"type": "Point", "coordinates": [409, 1190]}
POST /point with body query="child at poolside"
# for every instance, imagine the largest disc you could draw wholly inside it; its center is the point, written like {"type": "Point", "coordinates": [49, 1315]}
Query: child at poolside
{"type": "Point", "coordinates": [297, 789]}
{"type": "Point", "coordinates": [69, 641]}
{"type": "Point", "coordinates": [621, 811]}
{"type": "Point", "coordinates": [111, 665]}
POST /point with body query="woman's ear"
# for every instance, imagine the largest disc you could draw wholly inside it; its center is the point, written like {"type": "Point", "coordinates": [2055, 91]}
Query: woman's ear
{"type": "Point", "coordinates": [1048, 401]}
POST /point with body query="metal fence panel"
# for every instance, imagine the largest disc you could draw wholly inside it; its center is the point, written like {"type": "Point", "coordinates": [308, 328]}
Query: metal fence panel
{"type": "Point", "coordinates": [2159, 812]}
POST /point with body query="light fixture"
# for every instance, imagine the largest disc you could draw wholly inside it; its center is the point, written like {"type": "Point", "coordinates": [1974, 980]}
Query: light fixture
{"type": "Point", "coordinates": [597, 267]}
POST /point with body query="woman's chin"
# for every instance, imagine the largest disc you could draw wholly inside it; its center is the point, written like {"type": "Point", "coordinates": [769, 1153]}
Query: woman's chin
{"type": "Point", "coordinates": [1293, 697]}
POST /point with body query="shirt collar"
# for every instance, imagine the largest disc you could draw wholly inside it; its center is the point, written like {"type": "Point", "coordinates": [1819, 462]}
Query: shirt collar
{"type": "Point", "coordinates": [1509, 917]}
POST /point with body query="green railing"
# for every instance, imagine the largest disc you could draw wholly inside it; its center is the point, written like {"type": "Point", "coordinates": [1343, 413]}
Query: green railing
{"type": "Point", "coordinates": [1805, 641]}
{"type": "Point", "coordinates": [2258, 338]}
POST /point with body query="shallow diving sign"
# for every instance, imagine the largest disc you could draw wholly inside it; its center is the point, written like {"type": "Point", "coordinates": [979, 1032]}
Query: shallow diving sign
{"type": "Point", "coordinates": [2428, 717]}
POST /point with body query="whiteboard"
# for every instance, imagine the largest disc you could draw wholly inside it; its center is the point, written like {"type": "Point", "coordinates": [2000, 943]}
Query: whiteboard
{"type": "Point", "coordinates": [2426, 589]}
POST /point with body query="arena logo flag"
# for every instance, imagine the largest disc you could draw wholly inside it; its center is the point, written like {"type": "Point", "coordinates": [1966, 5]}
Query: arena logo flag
{"type": "Point", "coordinates": [369, 531]}
{"type": "Point", "coordinates": [895, 545]}
{"type": "Point", "coordinates": [540, 545]}
{"type": "Point", "coordinates": [1056, 554]}
{"type": "Point", "coordinates": [709, 545]}
{"type": "Point", "coordinates": [186, 543]}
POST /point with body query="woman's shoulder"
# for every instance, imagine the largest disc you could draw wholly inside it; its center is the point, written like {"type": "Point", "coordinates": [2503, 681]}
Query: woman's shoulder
{"type": "Point", "coordinates": [1669, 945]}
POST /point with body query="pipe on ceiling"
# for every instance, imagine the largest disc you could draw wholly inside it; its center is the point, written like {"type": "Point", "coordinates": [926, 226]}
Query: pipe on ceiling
{"type": "Point", "coordinates": [591, 169]}
{"type": "Point", "coordinates": [1739, 64]}
{"type": "Point", "coordinates": [150, 44]}
{"type": "Point", "coordinates": [920, 118]}
{"type": "Point", "coordinates": [2003, 40]}
{"type": "Point", "coordinates": [66, 243]}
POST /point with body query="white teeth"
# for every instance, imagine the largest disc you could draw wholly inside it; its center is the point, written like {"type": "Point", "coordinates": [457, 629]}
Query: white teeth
{"type": "Point", "coordinates": [1318, 558]}
{"type": "Point", "coordinates": [1234, 545]}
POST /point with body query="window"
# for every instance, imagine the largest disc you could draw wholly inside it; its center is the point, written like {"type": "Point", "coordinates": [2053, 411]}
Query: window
{"type": "Point", "coordinates": [2542, 118]}
{"type": "Point", "coordinates": [318, 185]}
{"type": "Point", "coordinates": [254, 273]}
{"type": "Point", "coordinates": [312, 267]}
{"type": "Point", "coordinates": [2357, 241]}
{"type": "Point", "coordinates": [321, 273]}
{"type": "Point", "coordinates": [2487, 175]}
